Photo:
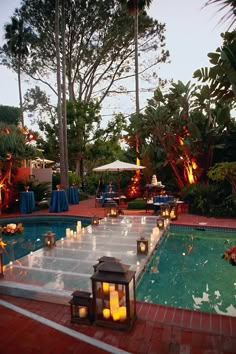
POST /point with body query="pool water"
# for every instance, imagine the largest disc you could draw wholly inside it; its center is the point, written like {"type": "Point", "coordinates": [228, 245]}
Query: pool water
{"type": "Point", "coordinates": [187, 271]}
{"type": "Point", "coordinates": [31, 239]}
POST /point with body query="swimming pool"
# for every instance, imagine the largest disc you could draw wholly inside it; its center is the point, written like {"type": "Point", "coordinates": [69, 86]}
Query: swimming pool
{"type": "Point", "coordinates": [30, 240]}
{"type": "Point", "coordinates": [187, 271]}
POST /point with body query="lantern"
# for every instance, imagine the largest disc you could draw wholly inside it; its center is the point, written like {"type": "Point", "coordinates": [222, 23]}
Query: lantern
{"type": "Point", "coordinates": [165, 210]}
{"type": "Point", "coordinates": [81, 307]}
{"type": "Point", "coordinates": [1, 263]}
{"type": "Point", "coordinates": [142, 246]}
{"type": "Point", "coordinates": [111, 209]}
{"type": "Point", "coordinates": [173, 211]}
{"type": "Point", "coordinates": [95, 220]}
{"type": "Point", "coordinates": [49, 239]}
{"type": "Point", "coordinates": [105, 259]}
{"type": "Point", "coordinates": [114, 297]}
{"type": "Point", "coordinates": [160, 222]}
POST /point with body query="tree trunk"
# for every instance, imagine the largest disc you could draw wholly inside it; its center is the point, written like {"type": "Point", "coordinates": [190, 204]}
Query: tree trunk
{"type": "Point", "coordinates": [64, 94]}
{"type": "Point", "coordinates": [59, 104]}
{"type": "Point", "coordinates": [20, 93]}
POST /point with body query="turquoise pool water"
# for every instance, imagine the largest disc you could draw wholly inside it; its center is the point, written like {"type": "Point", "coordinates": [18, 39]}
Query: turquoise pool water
{"type": "Point", "coordinates": [21, 244]}
{"type": "Point", "coordinates": [187, 271]}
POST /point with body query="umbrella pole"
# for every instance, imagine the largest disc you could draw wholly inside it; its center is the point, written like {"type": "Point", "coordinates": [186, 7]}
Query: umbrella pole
{"type": "Point", "coordinates": [119, 184]}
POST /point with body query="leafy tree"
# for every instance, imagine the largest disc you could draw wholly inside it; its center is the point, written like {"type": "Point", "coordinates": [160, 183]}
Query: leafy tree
{"type": "Point", "coordinates": [98, 42]}
{"type": "Point", "coordinates": [221, 76]}
{"type": "Point", "coordinates": [229, 16]}
{"type": "Point", "coordinates": [182, 128]}
{"type": "Point", "coordinates": [224, 171]}
{"type": "Point", "coordinates": [9, 114]}
{"type": "Point", "coordinates": [16, 49]}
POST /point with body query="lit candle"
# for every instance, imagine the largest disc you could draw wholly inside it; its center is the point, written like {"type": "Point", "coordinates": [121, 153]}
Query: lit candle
{"type": "Point", "coordinates": [79, 223]}
{"type": "Point", "coordinates": [116, 315]}
{"type": "Point", "coordinates": [48, 242]}
{"type": "Point", "coordinates": [71, 232]}
{"type": "Point", "coordinates": [67, 232]}
{"type": "Point", "coordinates": [106, 313]}
{"type": "Point", "coordinates": [142, 247]}
{"type": "Point", "coordinates": [83, 311]}
{"type": "Point", "coordinates": [105, 288]}
{"type": "Point", "coordinates": [78, 229]}
{"type": "Point", "coordinates": [112, 287]}
{"type": "Point", "coordinates": [123, 313]}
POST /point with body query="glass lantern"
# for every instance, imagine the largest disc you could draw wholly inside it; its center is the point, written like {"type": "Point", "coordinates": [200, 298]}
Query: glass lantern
{"type": "Point", "coordinates": [142, 246]}
{"type": "Point", "coordinates": [105, 259]}
{"type": "Point", "coordinates": [114, 296]}
{"type": "Point", "coordinates": [173, 211]}
{"type": "Point", "coordinates": [81, 307]}
{"type": "Point", "coordinates": [49, 239]}
{"type": "Point", "coordinates": [161, 222]}
{"type": "Point", "coordinates": [111, 209]}
{"type": "Point", "coordinates": [95, 220]}
{"type": "Point", "coordinates": [165, 210]}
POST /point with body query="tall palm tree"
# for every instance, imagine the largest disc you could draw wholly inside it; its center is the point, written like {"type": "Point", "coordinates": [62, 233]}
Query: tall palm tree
{"type": "Point", "coordinates": [230, 15]}
{"type": "Point", "coordinates": [18, 37]}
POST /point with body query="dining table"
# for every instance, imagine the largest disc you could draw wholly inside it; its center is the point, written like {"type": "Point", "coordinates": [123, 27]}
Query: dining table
{"type": "Point", "coordinates": [73, 195]}
{"type": "Point", "coordinates": [27, 202]}
{"type": "Point", "coordinates": [59, 201]}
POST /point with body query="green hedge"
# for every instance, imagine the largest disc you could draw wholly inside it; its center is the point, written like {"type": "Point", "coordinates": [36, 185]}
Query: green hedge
{"type": "Point", "coordinates": [137, 204]}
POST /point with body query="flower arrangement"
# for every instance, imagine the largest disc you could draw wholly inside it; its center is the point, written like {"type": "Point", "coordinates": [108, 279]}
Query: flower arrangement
{"type": "Point", "coordinates": [230, 255]}
{"type": "Point", "coordinates": [11, 228]}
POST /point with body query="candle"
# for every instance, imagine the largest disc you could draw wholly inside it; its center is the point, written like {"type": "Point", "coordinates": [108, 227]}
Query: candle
{"type": "Point", "coordinates": [48, 242]}
{"type": "Point", "coordinates": [83, 311]}
{"type": "Point", "coordinates": [106, 313]}
{"type": "Point", "coordinates": [67, 232]}
{"type": "Point", "coordinates": [71, 232]}
{"type": "Point", "coordinates": [123, 313]}
{"type": "Point", "coordinates": [79, 223]}
{"type": "Point", "coordinates": [78, 229]}
{"type": "Point", "coordinates": [116, 315]}
{"type": "Point", "coordinates": [142, 247]}
{"type": "Point", "coordinates": [112, 287]}
{"type": "Point", "coordinates": [105, 288]}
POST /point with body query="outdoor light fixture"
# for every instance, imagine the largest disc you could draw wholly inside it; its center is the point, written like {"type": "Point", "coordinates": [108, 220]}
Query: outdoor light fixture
{"type": "Point", "coordinates": [165, 210]}
{"type": "Point", "coordinates": [105, 259]}
{"type": "Point", "coordinates": [49, 239]}
{"type": "Point", "coordinates": [95, 220]}
{"type": "Point", "coordinates": [142, 246]}
{"type": "Point", "coordinates": [173, 211]}
{"type": "Point", "coordinates": [160, 222]}
{"type": "Point", "coordinates": [111, 209]}
{"type": "Point", "coordinates": [81, 307]}
{"type": "Point", "coordinates": [114, 297]}
{"type": "Point", "coordinates": [1, 263]}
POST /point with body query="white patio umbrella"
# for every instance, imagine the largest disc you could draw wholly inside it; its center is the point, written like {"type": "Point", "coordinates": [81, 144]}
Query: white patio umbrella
{"type": "Point", "coordinates": [118, 166]}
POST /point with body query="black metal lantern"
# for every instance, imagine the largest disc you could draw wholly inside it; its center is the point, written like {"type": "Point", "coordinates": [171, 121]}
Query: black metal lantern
{"type": "Point", "coordinates": [81, 307]}
{"type": "Point", "coordinates": [161, 222]}
{"type": "Point", "coordinates": [1, 263]}
{"type": "Point", "coordinates": [49, 239]}
{"type": "Point", "coordinates": [173, 211]}
{"type": "Point", "coordinates": [142, 246]}
{"type": "Point", "coordinates": [105, 259]}
{"type": "Point", "coordinates": [95, 220]}
{"type": "Point", "coordinates": [111, 209]}
{"type": "Point", "coordinates": [165, 210]}
{"type": "Point", "coordinates": [114, 296]}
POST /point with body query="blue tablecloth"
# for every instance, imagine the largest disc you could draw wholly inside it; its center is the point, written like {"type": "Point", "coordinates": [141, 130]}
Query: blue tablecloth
{"type": "Point", "coordinates": [58, 202]}
{"type": "Point", "coordinates": [163, 198]}
{"type": "Point", "coordinates": [108, 196]}
{"type": "Point", "coordinates": [73, 195]}
{"type": "Point", "coordinates": [27, 202]}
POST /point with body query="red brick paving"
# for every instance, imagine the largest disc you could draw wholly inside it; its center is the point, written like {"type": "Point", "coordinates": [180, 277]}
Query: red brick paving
{"type": "Point", "coordinates": [158, 329]}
